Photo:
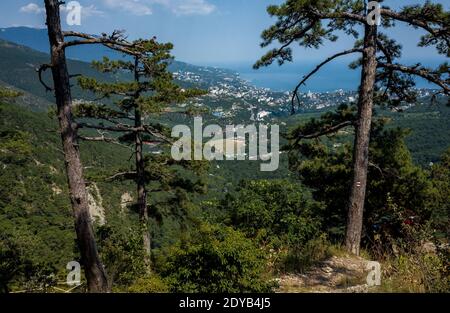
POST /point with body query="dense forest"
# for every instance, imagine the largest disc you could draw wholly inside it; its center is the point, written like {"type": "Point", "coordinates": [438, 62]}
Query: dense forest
{"type": "Point", "coordinates": [87, 173]}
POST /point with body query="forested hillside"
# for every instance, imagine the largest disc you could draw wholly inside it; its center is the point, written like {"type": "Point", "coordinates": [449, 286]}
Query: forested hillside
{"type": "Point", "coordinates": [91, 173]}
{"type": "Point", "coordinates": [19, 65]}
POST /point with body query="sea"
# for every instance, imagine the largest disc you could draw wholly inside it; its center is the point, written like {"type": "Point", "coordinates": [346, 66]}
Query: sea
{"type": "Point", "coordinates": [332, 76]}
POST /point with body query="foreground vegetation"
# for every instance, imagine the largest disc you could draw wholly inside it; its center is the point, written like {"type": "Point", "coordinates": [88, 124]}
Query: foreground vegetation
{"type": "Point", "coordinates": [237, 241]}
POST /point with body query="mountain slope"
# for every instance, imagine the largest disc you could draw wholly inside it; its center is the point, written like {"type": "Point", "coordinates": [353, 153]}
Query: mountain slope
{"type": "Point", "coordinates": [230, 100]}
{"type": "Point", "coordinates": [37, 40]}
{"type": "Point", "coordinates": [18, 68]}
{"type": "Point", "coordinates": [35, 213]}
{"type": "Point", "coordinates": [28, 100]}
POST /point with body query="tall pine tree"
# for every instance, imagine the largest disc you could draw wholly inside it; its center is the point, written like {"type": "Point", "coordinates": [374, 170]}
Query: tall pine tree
{"type": "Point", "coordinates": [310, 23]}
{"type": "Point", "coordinates": [59, 41]}
{"type": "Point", "coordinates": [134, 118]}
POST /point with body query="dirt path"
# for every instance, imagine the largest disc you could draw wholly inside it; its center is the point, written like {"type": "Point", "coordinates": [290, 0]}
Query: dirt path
{"type": "Point", "coordinates": [337, 274]}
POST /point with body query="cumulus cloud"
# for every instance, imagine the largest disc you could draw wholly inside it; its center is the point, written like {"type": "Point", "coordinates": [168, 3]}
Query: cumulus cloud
{"type": "Point", "coordinates": [86, 11]}
{"type": "Point", "coordinates": [32, 8]}
{"type": "Point", "coordinates": [92, 11]}
{"type": "Point", "coordinates": [190, 7]}
{"type": "Point", "coordinates": [178, 7]}
{"type": "Point", "coordinates": [135, 7]}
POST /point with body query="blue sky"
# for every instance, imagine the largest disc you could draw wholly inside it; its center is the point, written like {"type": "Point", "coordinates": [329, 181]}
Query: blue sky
{"type": "Point", "coordinates": [213, 32]}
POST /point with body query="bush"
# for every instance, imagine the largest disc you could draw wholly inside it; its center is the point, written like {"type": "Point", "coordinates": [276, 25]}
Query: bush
{"type": "Point", "coordinates": [122, 254]}
{"type": "Point", "coordinates": [299, 258]}
{"type": "Point", "coordinates": [417, 263]}
{"type": "Point", "coordinates": [7, 93]}
{"type": "Point", "coordinates": [18, 272]}
{"type": "Point", "coordinates": [282, 218]}
{"type": "Point", "coordinates": [217, 260]}
{"type": "Point", "coordinates": [326, 167]}
{"type": "Point", "coordinates": [416, 273]}
{"type": "Point", "coordinates": [439, 199]}
{"type": "Point", "coordinates": [148, 284]}
{"type": "Point", "coordinates": [274, 212]}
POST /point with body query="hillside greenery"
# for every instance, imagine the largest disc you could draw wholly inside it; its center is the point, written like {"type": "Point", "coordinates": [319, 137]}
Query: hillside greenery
{"type": "Point", "coordinates": [245, 227]}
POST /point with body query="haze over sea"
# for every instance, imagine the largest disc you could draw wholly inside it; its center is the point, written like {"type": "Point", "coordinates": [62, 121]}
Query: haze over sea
{"type": "Point", "coordinates": [330, 77]}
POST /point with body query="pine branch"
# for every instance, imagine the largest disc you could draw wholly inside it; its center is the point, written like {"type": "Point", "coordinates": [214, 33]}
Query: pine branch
{"type": "Point", "coordinates": [125, 128]}
{"type": "Point", "coordinates": [281, 52]}
{"type": "Point", "coordinates": [339, 15]}
{"type": "Point", "coordinates": [122, 175]}
{"type": "Point", "coordinates": [325, 131]}
{"type": "Point", "coordinates": [115, 42]}
{"type": "Point", "coordinates": [101, 138]}
{"type": "Point", "coordinates": [412, 21]}
{"type": "Point", "coordinates": [424, 73]}
{"type": "Point", "coordinates": [419, 20]}
{"type": "Point", "coordinates": [40, 70]}
{"type": "Point", "coordinates": [116, 128]}
{"type": "Point", "coordinates": [315, 70]}
{"type": "Point", "coordinates": [157, 134]}
{"type": "Point", "coordinates": [389, 59]}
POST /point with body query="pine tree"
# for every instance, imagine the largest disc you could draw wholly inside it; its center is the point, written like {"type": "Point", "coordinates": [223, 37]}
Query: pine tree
{"type": "Point", "coordinates": [310, 23]}
{"type": "Point", "coordinates": [93, 267]}
{"type": "Point", "coordinates": [324, 165]}
{"type": "Point", "coordinates": [139, 104]}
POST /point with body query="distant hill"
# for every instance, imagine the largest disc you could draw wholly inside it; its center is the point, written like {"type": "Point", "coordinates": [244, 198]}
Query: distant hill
{"type": "Point", "coordinates": [230, 97]}
{"type": "Point", "coordinates": [230, 101]}
{"type": "Point", "coordinates": [27, 100]}
{"type": "Point", "coordinates": [37, 39]}
{"type": "Point", "coordinates": [18, 65]}
{"type": "Point", "coordinates": [24, 49]}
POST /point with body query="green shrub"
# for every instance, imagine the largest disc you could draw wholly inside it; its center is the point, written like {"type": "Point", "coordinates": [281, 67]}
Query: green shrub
{"type": "Point", "coordinates": [325, 166]}
{"type": "Point", "coordinates": [148, 284]}
{"type": "Point", "coordinates": [418, 262]}
{"type": "Point", "coordinates": [299, 258]}
{"type": "Point", "coordinates": [6, 93]}
{"type": "Point", "coordinates": [217, 260]}
{"type": "Point", "coordinates": [416, 273]}
{"type": "Point", "coordinates": [122, 254]}
{"type": "Point", "coordinates": [282, 218]}
{"type": "Point", "coordinates": [439, 199]}
{"type": "Point", "coordinates": [276, 212]}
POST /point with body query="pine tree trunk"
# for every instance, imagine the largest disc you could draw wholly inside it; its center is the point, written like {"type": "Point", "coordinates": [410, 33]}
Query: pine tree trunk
{"type": "Point", "coordinates": [361, 144]}
{"type": "Point", "coordinates": [141, 191]}
{"type": "Point", "coordinates": [140, 178]}
{"type": "Point", "coordinates": [94, 271]}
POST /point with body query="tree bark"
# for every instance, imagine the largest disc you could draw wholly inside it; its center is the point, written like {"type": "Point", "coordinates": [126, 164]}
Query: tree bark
{"type": "Point", "coordinates": [361, 143]}
{"type": "Point", "coordinates": [93, 267]}
{"type": "Point", "coordinates": [140, 175]}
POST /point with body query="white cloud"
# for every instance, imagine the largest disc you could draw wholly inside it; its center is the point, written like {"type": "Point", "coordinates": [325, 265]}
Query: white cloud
{"type": "Point", "coordinates": [32, 8]}
{"type": "Point", "coordinates": [135, 7]}
{"type": "Point", "coordinates": [86, 11]}
{"type": "Point", "coordinates": [178, 7]}
{"type": "Point", "coordinates": [191, 7]}
{"type": "Point", "coordinates": [92, 11]}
